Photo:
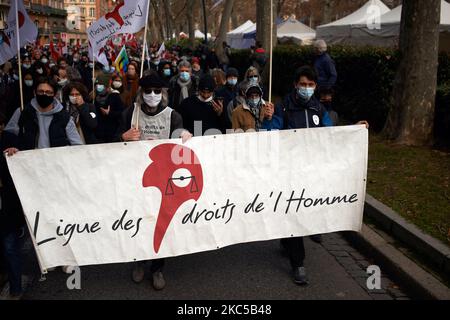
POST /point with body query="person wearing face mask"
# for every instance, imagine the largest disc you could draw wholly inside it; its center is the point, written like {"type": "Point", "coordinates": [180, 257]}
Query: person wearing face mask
{"type": "Point", "coordinates": [83, 113]}
{"type": "Point", "coordinates": [109, 107]}
{"type": "Point", "coordinates": [44, 123]}
{"type": "Point", "coordinates": [252, 76]}
{"type": "Point", "coordinates": [39, 70]}
{"type": "Point", "coordinates": [62, 79]}
{"type": "Point", "coordinates": [28, 88]}
{"type": "Point", "coordinates": [204, 109]}
{"type": "Point", "coordinates": [301, 109]}
{"type": "Point", "coordinates": [229, 91]}
{"type": "Point", "coordinates": [166, 71]}
{"type": "Point", "coordinates": [255, 114]}
{"type": "Point", "coordinates": [151, 119]}
{"type": "Point", "coordinates": [26, 64]}
{"type": "Point", "coordinates": [44, 60]}
{"type": "Point", "coordinates": [182, 86]}
{"type": "Point", "coordinates": [85, 70]}
{"type": "Point", "coordinates": [117, 86]}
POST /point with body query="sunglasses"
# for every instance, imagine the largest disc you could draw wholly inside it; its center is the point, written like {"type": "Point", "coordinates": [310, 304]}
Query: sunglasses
{"type": "Point", "coordinates": [155, 91]}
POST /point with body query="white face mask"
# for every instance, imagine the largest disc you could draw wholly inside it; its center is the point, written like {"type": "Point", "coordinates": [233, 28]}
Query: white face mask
{"type": "Point", "coordinates": [44, 61]}
{"type": "Point", "coordinates": [40, 71]}
{"type": "Point", "coordinates": [205, 100]}
{"type": "Point", "coordinates": [29, 83]}
{"type": "Point", "coordinates": [152, 99]}
{"type": "Point", "coordinates": [117, 84]}
{"type": "Point", "coordinates": [73, 100]}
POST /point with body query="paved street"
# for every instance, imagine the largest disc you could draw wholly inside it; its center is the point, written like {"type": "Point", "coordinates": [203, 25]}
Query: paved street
{"type": "Point", "coordinates": [246, 271]}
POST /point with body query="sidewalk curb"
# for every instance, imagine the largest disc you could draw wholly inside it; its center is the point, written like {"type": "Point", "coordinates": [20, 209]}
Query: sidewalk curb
{"type": "Point", "coordinates": [419, 283]}
{"type": "Point", "coordinates": [392, 223]}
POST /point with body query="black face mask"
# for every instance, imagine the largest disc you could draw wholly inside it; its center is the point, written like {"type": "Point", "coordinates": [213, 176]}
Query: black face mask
{"type": "Point", "coordinates": [44, 100]}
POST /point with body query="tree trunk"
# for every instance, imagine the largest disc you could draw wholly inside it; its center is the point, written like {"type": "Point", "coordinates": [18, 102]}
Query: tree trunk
{"type": "Point", "coordinates": [327, 9]}
{"type": "Point", "coordinates": [158, 18]}
{"type": "Point", "coordinates": [263, 23]}
{"type": "Point", "coordinates": [224, 23]}
{"type": "Point", "coordinates": [190, 20]}
{"type": "Point", "coordinates": [410, 120]}
{"type": "Point", "coordinates": [263, 31]}
{"type": "Point", "coordinates": [169, 19]}
{"type": "Point", "coordinates": [234, 18]}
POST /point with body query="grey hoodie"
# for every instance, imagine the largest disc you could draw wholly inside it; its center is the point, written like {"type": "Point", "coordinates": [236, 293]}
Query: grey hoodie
{"type": "Point", "coordinates": [44, 120]}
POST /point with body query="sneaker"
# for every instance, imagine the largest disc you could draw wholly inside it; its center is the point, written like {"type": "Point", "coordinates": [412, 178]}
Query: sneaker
{"type": "Point", "coordinates": [300, 276]}
{"type": "Point", "coordinates": [158, 280]}
{"type": "Point", "coordinates": [317, 238]}
{"type": "Point", "coordinates": [138, 273]}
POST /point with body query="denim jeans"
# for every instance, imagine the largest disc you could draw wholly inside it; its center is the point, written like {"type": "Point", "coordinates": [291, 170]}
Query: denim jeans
{"type": "Point", "coordinates": [11, 243]}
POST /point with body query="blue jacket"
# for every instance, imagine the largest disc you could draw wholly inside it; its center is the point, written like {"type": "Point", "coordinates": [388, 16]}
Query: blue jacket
{"type": "Point", "coordinates": [326, 70]}
{"type": "Point", "coordinates": [296, 113]}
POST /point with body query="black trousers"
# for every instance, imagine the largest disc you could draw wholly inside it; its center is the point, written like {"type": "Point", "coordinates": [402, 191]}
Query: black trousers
{"type": "Point", "coordinates": [295, 249]}
{"type": "Point", "coordinates": [157, 264]}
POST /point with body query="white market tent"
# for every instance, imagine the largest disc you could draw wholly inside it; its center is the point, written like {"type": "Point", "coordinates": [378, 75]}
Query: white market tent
{"type": "Point", "coordinates": [292, 29]}
{"type": "Point", "coordinates": [201, 35]}
{"type": "Point", "coordinates": [235, 37]}
{"type": "Point", "coordinates": [338, 32]}
{"type": "Point", "coordinates": [243, 37]}
{"type": "Point", "coordinates": [388, 33]}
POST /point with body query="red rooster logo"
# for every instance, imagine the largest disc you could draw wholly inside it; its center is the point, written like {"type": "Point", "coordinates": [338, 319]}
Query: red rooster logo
{"type": "Point", "coordinates": [177, 173]}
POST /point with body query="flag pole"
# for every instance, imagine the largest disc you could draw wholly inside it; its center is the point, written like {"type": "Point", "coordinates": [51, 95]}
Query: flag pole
{"type": "Point", "coordinates": [271, 50]}
{"type": "Point", "coordinates": [18, 56]}
{"type": "Point", "coordinates": [145, 39]}
{"type": "Point", "coordinates": [93, 77]}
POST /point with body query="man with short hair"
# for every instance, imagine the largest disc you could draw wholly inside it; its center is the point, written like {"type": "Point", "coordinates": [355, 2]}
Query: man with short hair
{"type": "Point", "coordinates": [182, 86]}
{"type": "Point", "coordinates": [44, 123]}
{"type": "Point", "coordinates": [299, 110]}
{"type": "Point", "coordinates": [204, 110]}
{"type": "Point", "coordinates": [324, 65]}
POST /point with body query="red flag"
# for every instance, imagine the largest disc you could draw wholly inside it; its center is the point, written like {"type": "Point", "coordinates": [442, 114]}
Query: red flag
{"type": "Point", "coordinates": [53, 52]}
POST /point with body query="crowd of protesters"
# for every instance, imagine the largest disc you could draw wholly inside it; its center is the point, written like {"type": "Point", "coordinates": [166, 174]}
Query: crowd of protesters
{"type": "Point", "coordinates": [70, 101]}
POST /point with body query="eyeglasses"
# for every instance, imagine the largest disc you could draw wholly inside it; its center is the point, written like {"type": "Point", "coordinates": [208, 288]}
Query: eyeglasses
{"type": "Point", "coordinates": [46, 92]}
{"type": "Point", "coordinates": [151, 90]}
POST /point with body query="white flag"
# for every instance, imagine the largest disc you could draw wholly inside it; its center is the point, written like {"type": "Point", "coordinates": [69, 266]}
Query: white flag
{"type": "Point", "coordinates": [99, 57]}
{"type": "Point", "coordinates": [127, 17]}
{"type": "Point", "coordinates": [161, 50]}
{"type": "Point", "coordinates": [8, 38]}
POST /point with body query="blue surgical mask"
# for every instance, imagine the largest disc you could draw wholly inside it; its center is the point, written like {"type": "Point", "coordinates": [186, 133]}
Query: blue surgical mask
{"type": "Point", "coordinates": [15, 77]}
{"type": "Point", "coordinates": [100, 88]}
{"type": "Point", "coordinates": [29, 83]}
{"type": "Point", "coordinates": [253, 80]}
{"type": "Point", "coordinates": [254, 102]}
{"type": "Point", "coordinates": [306, 93]}
{"type": "Point", "coordinates": [185, 76]}
{"type": "Point", "coordinates": [167, 72]}
{"type": "Point", "coordinates": [26, 66]}
{"type": "Point", "coordinates": [232, 82]}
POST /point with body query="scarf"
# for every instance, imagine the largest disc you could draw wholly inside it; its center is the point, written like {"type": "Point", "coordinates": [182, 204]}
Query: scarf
{"type": "Point", "coordinates": [184, 89]}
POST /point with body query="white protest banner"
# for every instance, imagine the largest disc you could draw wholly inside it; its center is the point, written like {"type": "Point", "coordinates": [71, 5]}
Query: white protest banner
{"type": "Point", "coordinates": [136, 201]}
{"type": "Point", "coordinates": [128, 17]}
{"type": "Point", "coordinates": [8, 37]}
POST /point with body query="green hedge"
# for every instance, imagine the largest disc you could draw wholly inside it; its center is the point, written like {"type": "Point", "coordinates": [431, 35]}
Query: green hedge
{"type": "Point", "coordinates": [365, 78]}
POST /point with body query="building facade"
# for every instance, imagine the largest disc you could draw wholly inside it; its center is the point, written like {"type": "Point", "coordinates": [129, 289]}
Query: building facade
{"type": "Point", "coordinates": [50, 18]}
{"type": "Point", "coordinates": [48, 15]}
